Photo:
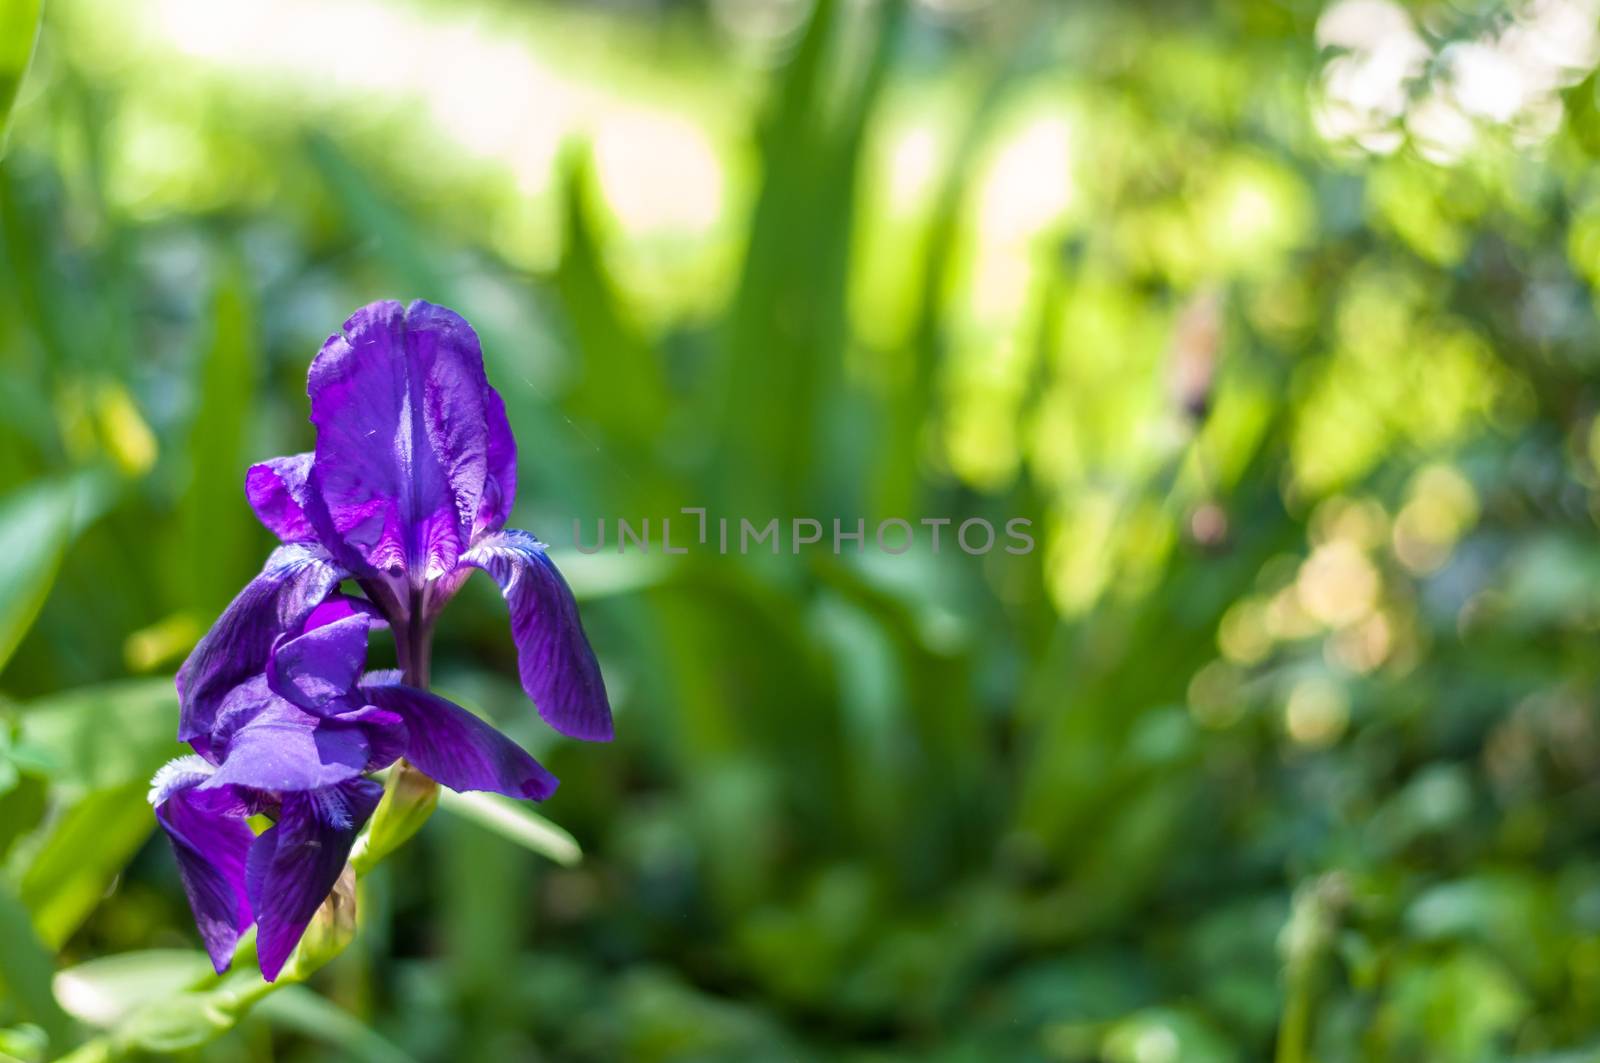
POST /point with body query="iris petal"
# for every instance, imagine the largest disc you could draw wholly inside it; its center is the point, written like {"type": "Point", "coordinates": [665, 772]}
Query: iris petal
{"type": "Point", "coordinates": [457, 749]}
{"type": "Point", "coordinates": [339, 606]}
{"type": "Point", "coordinates": [295, 863]}
{"type": "Point", "coordinates": [210, 841]}
{"type": "Point", "coordinates": [412, 479]}
{"type": "Point", "coordinates": [283, 748]}
{"type": "Point", "coordinates": [266, 743]}
{"type": "Point", "coordinates": [557, 667]}
{"type": "Point", "coordinates": [500, 486]}
{"type": "Point", "coordinates": [321, 665]}
{"type": "Point", "coordinates": [295, 579]}
{"type": "Point", "coordinates": [399, 401]}
{"type": "Point", "coordinates": [277, 490]}
{"type": "Point", "coordinates": [385, 731]}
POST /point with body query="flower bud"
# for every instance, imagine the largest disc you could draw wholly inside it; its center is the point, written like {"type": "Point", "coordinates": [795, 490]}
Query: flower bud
{"type": "Point", "coordinates": [1196, 347]}
{"type": "Point", "coordinates": [409, 799]}
{"type": "Point", "coordinates": [329, 931]}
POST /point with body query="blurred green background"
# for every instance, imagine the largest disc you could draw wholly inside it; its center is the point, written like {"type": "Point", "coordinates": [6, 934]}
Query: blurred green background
{"type": "Point", "coordinates": [1278, 320]}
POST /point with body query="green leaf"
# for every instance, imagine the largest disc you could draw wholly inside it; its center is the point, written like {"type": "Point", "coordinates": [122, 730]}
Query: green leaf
{"type": "Point", "coordinates": [406, 252]}
{"type": "Point", "coordinates": [184, 1020]}
{"type": "Point", "coordinates": [19, 30]}
{"type": "Point", "coordinates": [25, 969]}
{"type": "Point", "coordinates": [25, 1043]}
{"type": "Point", "coordinates": [69, 874]}
{"type": "Point", "coordinates": [299, 1009]}
{"type": "Point", "coordinates": [34, 527]}
{"type": "Point", "coordinates": [162, 1015]}
{"type": "Point", "coordinates": [514, 821]}
{"type": "Point", "coordinates": [608, 575]}
{"type": "Point", "coordinates": [104, 736]}
{"type": "Point", "coordinates": [175, 1024]}
{"type": "Point", "coordinates": [216, 551]}
{"type": "Point", "coordinates": [104, 992]}
{"type": "Point", "coordinates": [620, 382]}
{"type": "Point", "coordinates": [781, 363]}
{"type": "Point", "coordinates": [21, 809]}
{"type": "Point", "coordinates": [101, 744]}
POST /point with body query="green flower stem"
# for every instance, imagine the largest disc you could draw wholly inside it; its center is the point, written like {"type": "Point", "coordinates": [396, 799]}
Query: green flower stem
{"type": "Point", "coordinates": [1304, 943]}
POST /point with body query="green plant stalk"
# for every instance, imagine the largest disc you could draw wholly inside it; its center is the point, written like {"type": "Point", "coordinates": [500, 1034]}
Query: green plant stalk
{"type": "Point", "coordinates": [1305, 941]}
{"type": "Point", "coordinates": [1295, 1030]}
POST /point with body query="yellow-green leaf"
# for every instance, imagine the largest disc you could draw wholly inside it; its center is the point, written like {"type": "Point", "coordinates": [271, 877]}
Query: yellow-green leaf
{"type": "Point", "coordinates": [19, 29]}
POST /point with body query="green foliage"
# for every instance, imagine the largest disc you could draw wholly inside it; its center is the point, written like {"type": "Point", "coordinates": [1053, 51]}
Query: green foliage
{"type": "Point", "coordinates": [515, 822]}
{"type": "Point", "coordinates": [106, 991]}
{"type": "Point", "coordinates": [79, 856]}
{"type": "Point", "coordinates": [34, 526]}
{"type": "Point", "coordinates": [219, 533]}
{"type": "Point", "coordinates": [105, 737]}
{"type": "Point", "coordinates": [26, 969]}
{"type": "Point", "coordinates": [301, 1011]}
{"type": "Point", "coordinates": [19, 27]}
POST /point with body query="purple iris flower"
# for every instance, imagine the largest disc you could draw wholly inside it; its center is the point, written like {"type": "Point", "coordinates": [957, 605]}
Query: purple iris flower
{"type": "Point", "coordinates": [295, 743]}
{"type": "Point", "coordinates": [406, 493]}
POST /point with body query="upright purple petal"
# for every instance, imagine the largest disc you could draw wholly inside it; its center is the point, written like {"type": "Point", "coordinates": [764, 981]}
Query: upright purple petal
{"type": "Point", "coordinates": [337, 607]}
{"type": "Point", "coordinates": [210, 840]}
{"type": "Point", "coordinates": [294, 864]}
{"type": "Point", "coordinates": [457, 749]}
{"type": "Point", "coordinates": [402, 436]}
{"type": "Point", "coordinates": [500, 486]}
{"type": "Point", "coordinates": [277, 490]}
{"type": "Point", "coordinates": [321, 665]}
{"type": "Point", "coordinates": [295, 579]}
{"type": "Point", "coordinates": [556, 664]}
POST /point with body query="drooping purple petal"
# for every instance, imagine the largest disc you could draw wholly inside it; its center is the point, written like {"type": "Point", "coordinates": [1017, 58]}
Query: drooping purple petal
{"type": "Point", "coordinates": [556, 664]}
{"type": "Point", "coordinates": [210, 840]}
{"type": "Point", "coordinates": [294, 864]}
{"type": "Point", "coordinates": [295, 579]}
{"type": "Point", "coordinates": [277, 491]}
{"type": "Point", "coordinates": [385, 731]}
{"type": "Point", "coordinates": [321, 665]}
{"type": "Point", "coordinates": [457, 749]}
{"type": "Point", "coordinates": [402, 438]}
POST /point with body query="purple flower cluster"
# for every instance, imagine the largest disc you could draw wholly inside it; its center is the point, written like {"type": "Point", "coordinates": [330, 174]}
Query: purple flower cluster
{"type": "Point", "coordinates": [407, 491]}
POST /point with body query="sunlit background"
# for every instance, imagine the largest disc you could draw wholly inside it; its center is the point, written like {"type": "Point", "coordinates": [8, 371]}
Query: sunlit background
{"type": "Point", "coordinates": [1277, 319]}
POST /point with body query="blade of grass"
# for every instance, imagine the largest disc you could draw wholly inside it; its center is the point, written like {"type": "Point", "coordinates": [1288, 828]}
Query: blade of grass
{"type": "Point", "coordinates": [304, 1012]}
{"type": "Point", "coordinates": [19, 32]}
{"type": "Point", "coordinates": [67, 877]}
{"type": "Point", "coordinates": [620, 385]}
{"type": "Point", "coordinates": [516, 822]}
{"type": "Point", "coordinates": [26, 969]}
{"type": "Point", "coordinates": [218, 532]}
{"type": "Point", "coordinates": [34, 527]}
